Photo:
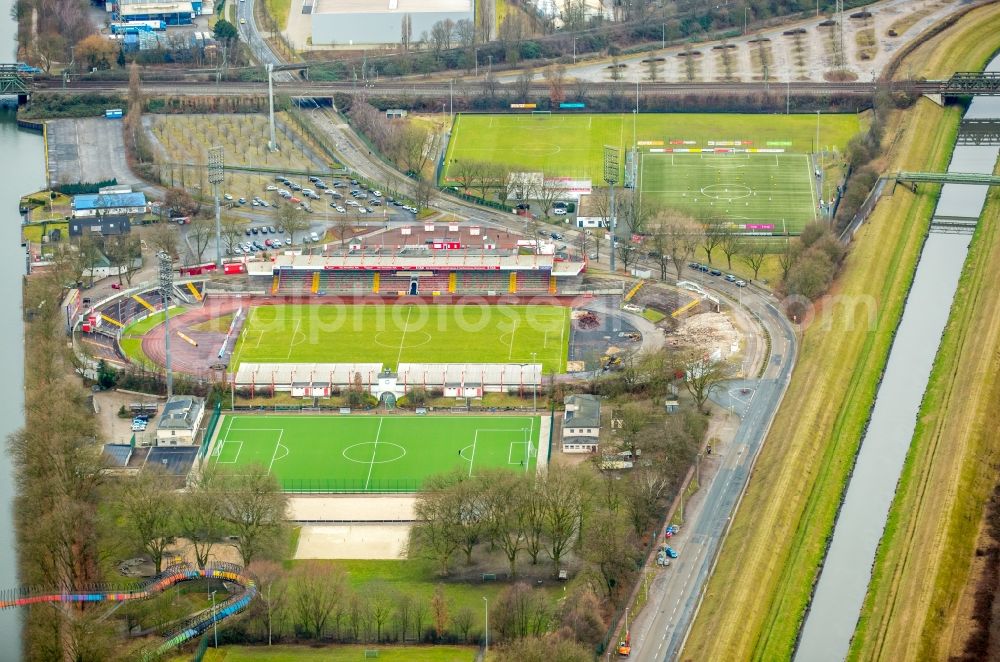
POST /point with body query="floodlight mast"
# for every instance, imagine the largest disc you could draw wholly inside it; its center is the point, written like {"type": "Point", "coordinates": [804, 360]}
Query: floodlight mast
{"type": "Point", "coordinates": [166, 284]}
{"type": "Point", "coordinates": [215, 177]}
{"type": "Point", "coordinates": [611, 177]}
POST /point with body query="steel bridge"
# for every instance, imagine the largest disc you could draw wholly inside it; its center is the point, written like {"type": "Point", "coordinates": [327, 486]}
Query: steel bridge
{"type": "Point", "coordinates": [947, 178]}
{"type": "Point", "coordinates": [14, 80]}
{"type": "Point", "coordinates": [979, 132]}
{"type": "Point", "coordinates": [972, 83]}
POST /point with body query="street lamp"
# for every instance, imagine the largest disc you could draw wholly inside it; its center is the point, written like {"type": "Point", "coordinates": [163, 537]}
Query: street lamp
{"type": "Point", "coordinates": [215, 626]}
{"type": "Point", "coordinates": [746, 10]}
{"type": "Point", "coordinates": [486, 644]}
{"type": "Point", "coordinates": [574, 49]}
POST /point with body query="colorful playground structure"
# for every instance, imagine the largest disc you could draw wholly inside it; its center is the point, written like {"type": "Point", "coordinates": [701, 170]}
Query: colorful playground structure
{"type": "Point", "coordinates": [195, 625]}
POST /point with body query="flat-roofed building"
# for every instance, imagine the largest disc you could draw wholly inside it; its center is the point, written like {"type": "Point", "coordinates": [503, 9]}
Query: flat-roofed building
{"type": "Point", "coordinates": [357, 22]}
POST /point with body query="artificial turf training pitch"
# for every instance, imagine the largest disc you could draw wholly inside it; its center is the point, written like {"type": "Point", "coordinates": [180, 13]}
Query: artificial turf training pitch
{"type": "Point", "coordinates": [374, 454]}
{"type": "Point", "coordinates": [410, 333]}
{"type": "Point", "coordinates": [748, 187]}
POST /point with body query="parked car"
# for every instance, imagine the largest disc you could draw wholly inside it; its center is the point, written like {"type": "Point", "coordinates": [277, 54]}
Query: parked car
{"type": "Point", "coordinates": [670, 551]}
{"type": "Point", "coordinates": [228, 197]}
{"type": "Point", "coordinates": [242, 201]}
{"type": "Point", "coordinates": [714, 272]}
{"type": "Point", "coordinates": [271, 187]}
{"type": "Point", "coordinates": [559, 211]}
{"type": "Point", "coordinates": [731, 278]}
{"type": "Point", "coordinates": [313, 236]}
{"type": "Point", "coordinates": [741, 283]}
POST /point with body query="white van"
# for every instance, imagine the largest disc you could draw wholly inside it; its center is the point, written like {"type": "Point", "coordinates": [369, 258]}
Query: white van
{"type": "Point", "coordinates": [313, 236]}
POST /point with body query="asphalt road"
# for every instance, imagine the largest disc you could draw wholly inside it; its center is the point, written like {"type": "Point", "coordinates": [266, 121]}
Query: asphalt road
{"type": "Point", "coordinates": [675, 594]}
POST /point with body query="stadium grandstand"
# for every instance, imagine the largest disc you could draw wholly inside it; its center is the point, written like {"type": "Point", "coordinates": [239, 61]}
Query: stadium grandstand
{"type": "Point", "coordinates": [416, 271]}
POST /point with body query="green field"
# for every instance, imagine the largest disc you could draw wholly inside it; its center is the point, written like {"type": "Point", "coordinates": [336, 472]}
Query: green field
{"type": "Point", "coordinates": [373, 453]}
{"type": "Point", "coordinates": [776, 190]}
{"type": "Point", "coordinates": [573, 145]}
{"type": "Point", "coordinates": [405, 334]}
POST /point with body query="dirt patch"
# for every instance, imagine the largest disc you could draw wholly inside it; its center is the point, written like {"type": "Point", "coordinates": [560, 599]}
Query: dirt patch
{"type": "Point", "coordinates": [353, 541]}
{"type": "Point", "coordinates": [706, 331]}
{"type": "Point", "coordinates": [336, 509]}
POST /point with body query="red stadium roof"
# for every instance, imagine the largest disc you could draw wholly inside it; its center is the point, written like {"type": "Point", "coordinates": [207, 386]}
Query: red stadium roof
{"type": "Point", "coordinates": [425, 262]}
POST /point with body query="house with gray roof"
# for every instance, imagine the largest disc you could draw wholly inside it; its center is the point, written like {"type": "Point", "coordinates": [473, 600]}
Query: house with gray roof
{"type": "Point", "coordinates": [180, 420]}
{"type": "Point", "coordinates": [581, 427]}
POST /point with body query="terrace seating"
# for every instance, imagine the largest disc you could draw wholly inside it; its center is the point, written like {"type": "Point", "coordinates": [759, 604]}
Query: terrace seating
{"type": "Point", "coordinates": [294, 282]}
{"type": "Point", "coordinates": [533, 282]}
{"type": "Point", "coordinates": [391, 284]}
{"type": "Point", "coordinates": [335, 282]}
{"type": "Point", "coordinates": [436, 283]}
{"type": "Point", "coordinates": [481, 282]}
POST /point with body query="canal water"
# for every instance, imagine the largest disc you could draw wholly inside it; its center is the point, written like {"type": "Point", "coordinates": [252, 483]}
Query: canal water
{"type": "Point", "coordinates": [843, 583]}
{"type": "Point", "coordinates": [22, 170]}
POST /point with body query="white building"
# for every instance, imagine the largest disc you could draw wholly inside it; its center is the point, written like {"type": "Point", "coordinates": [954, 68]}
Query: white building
{"type": "Point", "coordinates": [582, 424]}
{"type": "Point", "coordinates": [179, 422]}
{"type": "Point", "coordinates": [471, 380]}
{"type": "Point", "coordinates": [305, 380]}
{"type": "Point", "coordinates": [362, 22]}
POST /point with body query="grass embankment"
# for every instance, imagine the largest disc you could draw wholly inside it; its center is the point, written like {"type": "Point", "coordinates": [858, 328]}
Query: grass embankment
{"type": "Point", "coordinates": [340, 653]}
{"type": "Point", "coordinates": [912, 607]}
{"type": "Point", "coordinates": [757, 596]}
{"type": "Point", "coordinates": [279, 10]}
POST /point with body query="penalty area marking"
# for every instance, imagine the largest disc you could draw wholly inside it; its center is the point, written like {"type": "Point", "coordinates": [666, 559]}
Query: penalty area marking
{"type": "Point", "coordinates": [239, 450]}
{"type": "Point", "coordinates": [274, 456]}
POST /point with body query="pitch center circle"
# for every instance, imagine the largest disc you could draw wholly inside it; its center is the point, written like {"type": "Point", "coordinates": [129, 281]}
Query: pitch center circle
{"type": "Point", "coordinates": [397, 339]}
{"type": "Point", "coordinates": [370, 452]}
{"type": "Point", "coordinates": [726, 191]}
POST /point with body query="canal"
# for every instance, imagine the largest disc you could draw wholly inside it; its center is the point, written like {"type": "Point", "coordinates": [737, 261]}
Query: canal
{"type": "Point", "coordinates": [22, 170]}
{"type": "Point", "coordinates": [843, 583]}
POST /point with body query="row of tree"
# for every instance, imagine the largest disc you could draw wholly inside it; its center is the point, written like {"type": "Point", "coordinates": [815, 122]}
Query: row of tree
{"type": "Point", "coordinates": [564, 512]}
{"type": "Point", "coordinates": [316, 601]}
{"type": "Point", "coordinates": [248, 510]}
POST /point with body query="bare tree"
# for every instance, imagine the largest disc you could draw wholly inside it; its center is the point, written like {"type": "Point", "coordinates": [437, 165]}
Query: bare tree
{"type": "Point", "coordinates": [199, 233]}
{"type": "Point", "coordinates": [406, 32]}
{"type": "Point", "coordinates": [555, 76]}
{"type": "Point", "coordinates": [731, 242]}
{"type": "Point", "coordinates": [786, 256]}
{"type": "Point", "coordinates": [163, 237]}
{"type": "Point", "coordinates": [522, 84]}
{"type": "Point", "coordinates": [424, 192]}
{"type": "Point", "coordinates": [254, 507]}
{"type": "Point", "coordinates": [462, 621]}
{"type": "Point", "coordinates": [381, 603]}
{"type": "Point", "coordinates": [653, 64]}
{"type": "Point", "coordinates": [546, 195]}
{"type": "Point", "coordinates": [753, 252]}
{"type": "Point", "coordinates": [199, 515]}
{"type": "Point", "coordinates": [702, 375]}
{"type": "Point", "coordinates": [466, 173]}
{"type": "Point", "coordinates": [318, 592]}
{"type": "Point", "coordinates": [233, 227]}
{"type": "Point", "coordinates": [490, 84]}
{"type": "Point", "coordinates": [439, 612]}
{"type": "Point", "coordinates": [563, 496]}
{"type": "Point", "coordinates": [343, 229]}
{"type": "Point", "coordinates": [272, 596]}
{"type": "Point", "coordinates": [294, 220]}
{"type": "Point", "coordinates": [679, 238]}
{"type": "Point", "coordinates": [149, 509]}
{"type": "Point", "coordinates": [122, 252]}
{"type": "Point", "coordinates": [712, 235]}
{"type": "Point", "coordinates": [631, 213]}
{"type": "Point", "coordinates": [627, 253]}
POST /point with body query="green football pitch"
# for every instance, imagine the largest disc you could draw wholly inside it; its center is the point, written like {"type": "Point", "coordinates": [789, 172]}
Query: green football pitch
{"type": "Point", "coordinates": [374, 453]}
{"type": "Point", "coordinates": [745, 188]}
{"type": "Point", "coordinates": [409, 333]}
{"type": "Point", "coordinates": [774, 191]}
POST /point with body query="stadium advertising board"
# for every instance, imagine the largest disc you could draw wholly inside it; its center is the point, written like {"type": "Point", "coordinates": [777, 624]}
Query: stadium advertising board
{"type": "Point", "coordinates": [572, 105]}
{"type": "Point", "coordinates": [758, 226]}
{"type": "Point", "coordinates": [523, 106]}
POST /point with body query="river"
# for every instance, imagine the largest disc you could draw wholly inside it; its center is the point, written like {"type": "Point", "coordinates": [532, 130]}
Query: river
{"type": "Point", "coordinates": [22, 170]}
{"type": "Point", "coordinates": [843, 583]}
